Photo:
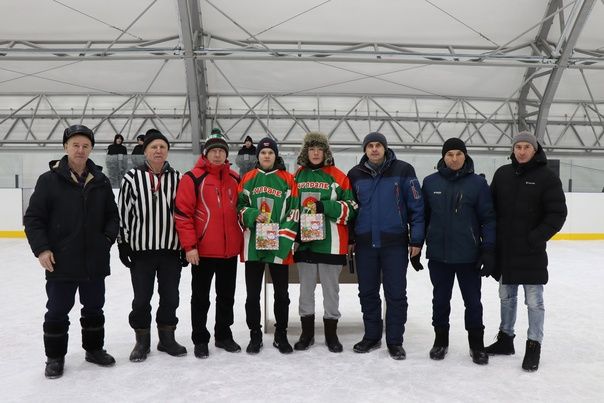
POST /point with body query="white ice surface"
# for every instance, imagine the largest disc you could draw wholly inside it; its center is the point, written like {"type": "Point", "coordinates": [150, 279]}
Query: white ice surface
{"type": "Point", "coordinates": [571, 370]}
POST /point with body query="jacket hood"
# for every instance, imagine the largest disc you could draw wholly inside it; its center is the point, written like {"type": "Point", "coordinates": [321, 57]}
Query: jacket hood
{"type": "Point", "coordinates": [315, 139]}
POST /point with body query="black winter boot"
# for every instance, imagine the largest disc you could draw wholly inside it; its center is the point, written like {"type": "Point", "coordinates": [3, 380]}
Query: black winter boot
{"type": "Point", "coordinates": [441, 343]}
{"type": "Point", "coordinates": [93, 339]}
{"type": "Point", "coordinates": [55, 347]}
{"type": "Point", "coordinates": [307, 338]}
{"type": "Point", "coordinates": [201, 350]}
{"type": "Point", "coordinates": [167, 343]}
{"type": "Point", "coordinates": [142, 346]}
{"type": "Point", "coordinates": [397, 351]}
{"type": "Point", "coordinates": [366, 345]}
{"type": "Point", "coordinates": [54, 368]}
{"type": "Point", "coordinates": [531, 356]}
{"type": "Point", "coordinates": [331, 335]}
{"type": "Point", "coordinates": [477, 350]}
{"type": "Point", "coordinates": [228, 345]}
{"type": "Point", "coordinates": [503, 346]}
{"type": "Point", "coordinates": [255, 342]}
{"type": "Point", "coordinates": [280, 342]}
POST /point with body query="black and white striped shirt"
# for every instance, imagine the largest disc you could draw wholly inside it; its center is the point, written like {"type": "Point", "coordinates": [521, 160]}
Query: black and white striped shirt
{"type": "Point", "coordinates": [146, 204]}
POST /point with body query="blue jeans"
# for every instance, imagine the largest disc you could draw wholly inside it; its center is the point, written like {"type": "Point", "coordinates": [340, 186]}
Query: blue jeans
{"type": "Point", "coordinates": [533, 299]}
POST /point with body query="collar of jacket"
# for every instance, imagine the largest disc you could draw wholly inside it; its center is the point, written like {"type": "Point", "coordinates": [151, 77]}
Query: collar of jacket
{"type": "Point", "coordinates": [61, 167]}
{"type": "Point", "coordinates": [445, 172]}
{"type": "Point", "coordinates": [538, 159]}
{"type": "Point", "coordinates": [389, 156]}
{"type": "Point", "coordinates": [165, 169]}
{"type": "Point", "coordinates": [206, 165]}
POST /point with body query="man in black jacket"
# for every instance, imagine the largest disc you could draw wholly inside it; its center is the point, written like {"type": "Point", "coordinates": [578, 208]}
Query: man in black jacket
{"type": "Point", "coordinates": [71, 222]}
{"type": "Point", "coordinates": [530, 207]}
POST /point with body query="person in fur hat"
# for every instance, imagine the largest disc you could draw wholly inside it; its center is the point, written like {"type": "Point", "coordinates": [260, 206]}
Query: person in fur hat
{"type": "Point", "coordinates": [325, 190]}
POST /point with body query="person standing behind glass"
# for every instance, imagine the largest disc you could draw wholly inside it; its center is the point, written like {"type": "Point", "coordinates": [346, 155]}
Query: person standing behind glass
{"type": "Point", "coordinates": [116, 162]}
{"type": "Point", "coordinates": [268, 194]}
{"type": "Point", "coordinates": [71, 222]}
{"type": "Point", "coordinates": [246, 157]}
{"type": "Point", "coordinates": [149, 246]}
{"type": "Point", "coordinates": [460, 241]}
{"type": "Point", "coordinates": [323, 189]}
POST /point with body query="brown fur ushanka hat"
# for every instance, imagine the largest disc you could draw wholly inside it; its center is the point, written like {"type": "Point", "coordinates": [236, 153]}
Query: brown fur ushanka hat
{"type": "Point", "coordinates": [315, 139]}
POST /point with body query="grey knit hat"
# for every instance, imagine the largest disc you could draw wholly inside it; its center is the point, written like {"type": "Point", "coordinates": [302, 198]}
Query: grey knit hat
{"type": "Point", "coordinates": [315, 139]}
{"type": "Point", "coordinates": [527, 137]}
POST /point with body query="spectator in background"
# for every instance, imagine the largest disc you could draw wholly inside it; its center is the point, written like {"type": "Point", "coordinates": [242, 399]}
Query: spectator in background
{"type": "Point", "coordinates": [246, 157]}
{"type": "Point", "coordinates": [116, 162]}
{"type": "Point", "coordinates": [138, 148]}
{"type": "Point", "coordinates": [117, 147]}
{"type": "Point", "coordinates": [71, 223]}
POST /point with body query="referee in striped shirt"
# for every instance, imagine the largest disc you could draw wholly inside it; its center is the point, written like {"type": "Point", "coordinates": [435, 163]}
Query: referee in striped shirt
{"type": "Point", "coordinates": [149, 245]}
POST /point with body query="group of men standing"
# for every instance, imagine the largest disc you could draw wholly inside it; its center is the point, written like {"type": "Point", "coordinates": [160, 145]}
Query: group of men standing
{"type": "Point", "coordinates": [164, 221]}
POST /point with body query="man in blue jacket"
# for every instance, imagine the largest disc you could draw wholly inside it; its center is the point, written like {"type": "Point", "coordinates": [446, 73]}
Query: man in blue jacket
{"type": "Point", "coordinates": [460, 241]}
{"type": "Point", "coordinates": [390, 224]}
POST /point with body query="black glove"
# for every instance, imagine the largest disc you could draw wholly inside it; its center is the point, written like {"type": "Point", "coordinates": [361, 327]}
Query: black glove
{"type": "Point", "coordinates": [126, 254]}
{"type": "Point", "coordinates": [183, 258]}
{"type": "Point", "coordinates": [486, 263]}
{"type": "Point", "coordinates": [417, 265]}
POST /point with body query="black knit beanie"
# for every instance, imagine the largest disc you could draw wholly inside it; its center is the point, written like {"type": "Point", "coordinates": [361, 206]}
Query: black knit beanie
{"type": "Point", "coordinates": [267, 142]}
{"type": "Point", "coordinates": [454, 144]}
{"type": "Point", "coordinates": [154, 134]}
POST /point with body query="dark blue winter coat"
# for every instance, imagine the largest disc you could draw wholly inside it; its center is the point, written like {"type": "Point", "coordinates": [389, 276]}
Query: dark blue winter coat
{"type": "Point", "coordinates": [460, 218]}
{"type": "Point", "coordinates": [391, 209]}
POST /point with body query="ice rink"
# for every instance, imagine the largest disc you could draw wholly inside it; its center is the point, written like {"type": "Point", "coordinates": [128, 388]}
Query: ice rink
{"type": "Point", "coordinates": [571, 370]}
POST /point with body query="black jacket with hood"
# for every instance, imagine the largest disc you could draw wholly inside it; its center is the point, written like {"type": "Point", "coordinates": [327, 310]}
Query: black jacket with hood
{"type": "Point", "coordinates": [77, 223]}
{"type": "Point", "coordinates": [531, 208]}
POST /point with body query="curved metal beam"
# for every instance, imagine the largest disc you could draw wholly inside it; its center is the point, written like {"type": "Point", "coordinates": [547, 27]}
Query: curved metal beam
{"type": "Point", "coordinates": [540, 42]}
{"type": "Point", "coordinates": [197, 95]}
{"type": "Point", "coordinates": [567, 49]}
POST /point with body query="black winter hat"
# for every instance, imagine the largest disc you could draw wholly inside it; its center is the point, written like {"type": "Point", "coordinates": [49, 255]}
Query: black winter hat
{"type": "Point", "coordinates": [375, 136]}
{"type": "Point", "coordinates": [154, 134]}
{"type": "Point", "coordinates": [215, 142]}
{"type": "Point", "coordinates": [78, 129]}
{"type": "Point", "coordinates": [454, 144]}
{"type": "Point", "coordinates": [267, 142]}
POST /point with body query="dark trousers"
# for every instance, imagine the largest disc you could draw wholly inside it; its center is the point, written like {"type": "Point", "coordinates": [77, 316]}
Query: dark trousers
{"type": "Point", "coordinates": [61, 298]}
{"type": "Point", "coordinates": [442, 276]}
{"type": "Point", "coordinates": [201, 282]}
{"type": "Point", "coordinates": [254, 272]}
{"type": "Point", "coordinates": [147, 264]}
{"type": "Point", "coordinates": [387, 264]}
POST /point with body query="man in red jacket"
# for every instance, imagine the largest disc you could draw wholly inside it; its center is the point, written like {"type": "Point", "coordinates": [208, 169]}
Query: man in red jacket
{"type": "Point", "coordinates": [209, 232]}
